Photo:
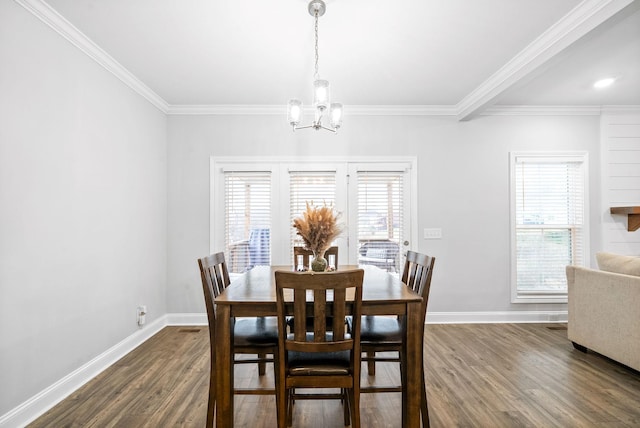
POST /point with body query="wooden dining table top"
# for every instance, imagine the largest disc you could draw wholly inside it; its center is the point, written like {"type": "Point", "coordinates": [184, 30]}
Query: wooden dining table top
{"type": "Point", "coordinates": [257, 286]}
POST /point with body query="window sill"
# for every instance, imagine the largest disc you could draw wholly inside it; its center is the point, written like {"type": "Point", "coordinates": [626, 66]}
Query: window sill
{"type": "Point", "coordinates": [540, 298]}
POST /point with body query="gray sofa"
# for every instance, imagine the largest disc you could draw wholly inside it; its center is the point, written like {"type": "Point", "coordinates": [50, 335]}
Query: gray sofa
{"type": "Point", "coordinates": [604, 308]}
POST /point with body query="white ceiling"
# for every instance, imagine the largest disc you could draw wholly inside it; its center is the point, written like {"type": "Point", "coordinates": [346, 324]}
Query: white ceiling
{"type": "Point", "coordinates": [466, 54]}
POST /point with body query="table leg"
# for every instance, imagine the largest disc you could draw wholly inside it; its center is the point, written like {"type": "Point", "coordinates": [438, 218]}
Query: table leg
{"type": "Point", "coordinates": [224, 367]}
{"type": "Point", "coordinates": [412, 396]}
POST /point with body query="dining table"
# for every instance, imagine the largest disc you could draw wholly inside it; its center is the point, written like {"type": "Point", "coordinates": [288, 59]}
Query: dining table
{"type": "Point", "coordinates": [254, 294]}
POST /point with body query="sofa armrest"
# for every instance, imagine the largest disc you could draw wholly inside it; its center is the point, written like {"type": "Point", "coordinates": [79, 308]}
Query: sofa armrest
{"type": "Point", "coordinates": [604, 313]}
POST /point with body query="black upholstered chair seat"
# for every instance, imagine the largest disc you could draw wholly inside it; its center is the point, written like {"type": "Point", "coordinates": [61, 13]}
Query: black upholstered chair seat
{"type": "Point", "coordinates": [380, 329]}
{"type": "Point", "coordinates": [255, 331]}
{"type": "Point", "coordinates": [318, 363]}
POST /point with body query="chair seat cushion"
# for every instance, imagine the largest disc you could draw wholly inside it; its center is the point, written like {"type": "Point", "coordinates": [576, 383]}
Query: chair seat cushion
{"type": "Point", "coordinates": [380, 329]}
{"type": "Point", "coordinates": [319, 363]}
{"type": "Point", "coordinates": [255, 331]}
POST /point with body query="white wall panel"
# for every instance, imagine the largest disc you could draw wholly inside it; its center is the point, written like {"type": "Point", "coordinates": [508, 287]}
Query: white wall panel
{"type": "Point", "coordinates": [620, 145]}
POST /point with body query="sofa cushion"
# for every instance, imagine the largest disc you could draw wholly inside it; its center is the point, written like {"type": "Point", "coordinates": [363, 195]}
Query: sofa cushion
{"type": "Point", "coordinates": [617, 263]}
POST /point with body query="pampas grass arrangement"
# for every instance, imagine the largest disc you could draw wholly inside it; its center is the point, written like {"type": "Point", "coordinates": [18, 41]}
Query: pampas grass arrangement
{"type": "Point", "coordinates": [318, 227]}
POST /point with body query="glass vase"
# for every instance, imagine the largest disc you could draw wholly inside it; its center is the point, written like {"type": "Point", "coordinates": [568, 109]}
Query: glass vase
{"type": "Point", "coordinates": [318, 263]}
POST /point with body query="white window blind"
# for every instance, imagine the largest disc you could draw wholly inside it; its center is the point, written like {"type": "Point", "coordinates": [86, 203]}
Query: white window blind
{"type": "Point", "coordinates": [549, 221]}
{"type": "Point", "coordinates": [380, 219]}
{"type": "Point", "coordinates": [317, 188]}
{"type": "Point", "coordinates": [247, 219]}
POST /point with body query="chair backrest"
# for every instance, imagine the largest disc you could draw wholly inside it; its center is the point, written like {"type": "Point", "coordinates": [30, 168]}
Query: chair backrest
{"type": "Point", "coordinates": [324, 294]}
{"type": "Point", "coordinates": [418, 269]}
{"type": "Point", "coordinates": [215, 278]}
{"type": "Point", "coordinates": [307, 255]}
{"type": "Point", "coordinates": [213, 270]}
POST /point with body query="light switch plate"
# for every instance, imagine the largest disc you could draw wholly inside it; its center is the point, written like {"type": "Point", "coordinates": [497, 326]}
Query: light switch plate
{"type": "Point", "coordinates": [433, 233]}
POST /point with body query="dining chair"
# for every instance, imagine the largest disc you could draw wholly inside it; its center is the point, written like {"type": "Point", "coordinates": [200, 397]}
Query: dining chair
{"type": "Point", "coordinates": [251, 335]}
{"type": "Point", "coordinates": [323, 357]}
{"type": "Point", "coordinates": [307, 256]}
{"type": "Point", "coordinates": [385, 334]}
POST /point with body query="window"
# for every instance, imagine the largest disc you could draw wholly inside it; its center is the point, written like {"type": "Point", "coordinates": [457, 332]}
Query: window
{"type": "Point", "coordinates": [380, 218]}
{"type": "Point", "coordinates": [549, 232]}
{"type": "Point", "coordinates": [247, 197]}
{"type": "Point", "coordinates": [375, 199]}
{"type": "Point", "coordinates": [315, 187]}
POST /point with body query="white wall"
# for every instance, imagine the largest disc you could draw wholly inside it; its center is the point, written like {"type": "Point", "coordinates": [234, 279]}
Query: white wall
{"type": "Point", "coordinates": [463, 188]}
{"type": "Point", "coordinates": [82, 208]}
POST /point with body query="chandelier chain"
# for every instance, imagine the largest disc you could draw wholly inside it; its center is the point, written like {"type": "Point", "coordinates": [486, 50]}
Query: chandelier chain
{"type": "Point", "coordinates": [324, 109]}
{"type": "Point", "coordinates": [316, 74]}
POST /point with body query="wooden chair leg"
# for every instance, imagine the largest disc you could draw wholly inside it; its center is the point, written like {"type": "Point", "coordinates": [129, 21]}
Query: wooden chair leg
{"type": "Point", "coordinates": [371, 365]}
{"type": "Point", "coordinates": [282, 398]}
{"type": "Point", "coordinates": [345, 407]}
{"type": "Point", "coordinates": [354, 406]}
{"type": "Point", "coordinates": [211, 405]}
{"type": "Point", "coordinates": [290, 403]}
{"type": "Point", "coordinates": [262, 366]}
{"type": "Point", "coordinates": [424, 408]}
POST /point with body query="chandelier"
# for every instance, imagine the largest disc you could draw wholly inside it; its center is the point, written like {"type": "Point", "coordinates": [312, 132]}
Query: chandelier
{"type": "Point", "coordinates": [321, 101]}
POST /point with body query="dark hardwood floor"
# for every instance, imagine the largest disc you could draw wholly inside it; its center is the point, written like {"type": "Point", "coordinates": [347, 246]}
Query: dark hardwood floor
{"type": "Point", "coordinates": [479, 375]}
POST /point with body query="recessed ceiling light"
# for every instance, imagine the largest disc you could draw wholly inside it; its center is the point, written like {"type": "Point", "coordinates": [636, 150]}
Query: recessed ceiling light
{"type": "Point", "coordinates": [603, 83]}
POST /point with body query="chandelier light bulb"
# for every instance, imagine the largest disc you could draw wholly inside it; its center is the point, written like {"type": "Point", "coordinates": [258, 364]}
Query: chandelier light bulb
{"type": "Point", "coordinates": [294, 112]}
{"type": "Point", "coordinates": [335, 115]}
{"type": "Point", "coordinates": [321, 94]}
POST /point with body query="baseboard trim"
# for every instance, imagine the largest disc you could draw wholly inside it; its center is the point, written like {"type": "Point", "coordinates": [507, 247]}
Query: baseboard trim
{"type": "Point", "coordinates": [187, 319]}
{"type": "Point", "coordinates": [496, 317]}
{"type": "Point", "coordinates": [37, 405]}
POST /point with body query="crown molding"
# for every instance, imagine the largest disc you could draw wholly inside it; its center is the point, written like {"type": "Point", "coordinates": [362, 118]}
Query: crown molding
{"type": "Point", "coordinates": [228, 109]}
{"type": "Point", "coordinates": [58, 23]}
{"type": "Point", "coordinates": [577, 23]}
{"type": "Point", "coordinates": [401, 110]}
{"type": "Point", "coordinates": [633, 109]}
{"type": "Point", "coordinates": [532, 110]}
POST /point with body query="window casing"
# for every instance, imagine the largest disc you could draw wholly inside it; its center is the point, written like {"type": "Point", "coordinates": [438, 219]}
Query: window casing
{"type": "Point", "coordinates": [549, 228]}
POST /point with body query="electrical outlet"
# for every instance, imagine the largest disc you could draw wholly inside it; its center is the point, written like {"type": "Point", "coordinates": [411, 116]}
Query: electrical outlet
{"type": "Point", "coordinates": [142, 312]}
{"type": "Point", "coordinates": [435, 233]}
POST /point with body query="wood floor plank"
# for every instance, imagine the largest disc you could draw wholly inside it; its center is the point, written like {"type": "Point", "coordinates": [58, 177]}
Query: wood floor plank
{"type": "Point", "coordinates": [491, 375]}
